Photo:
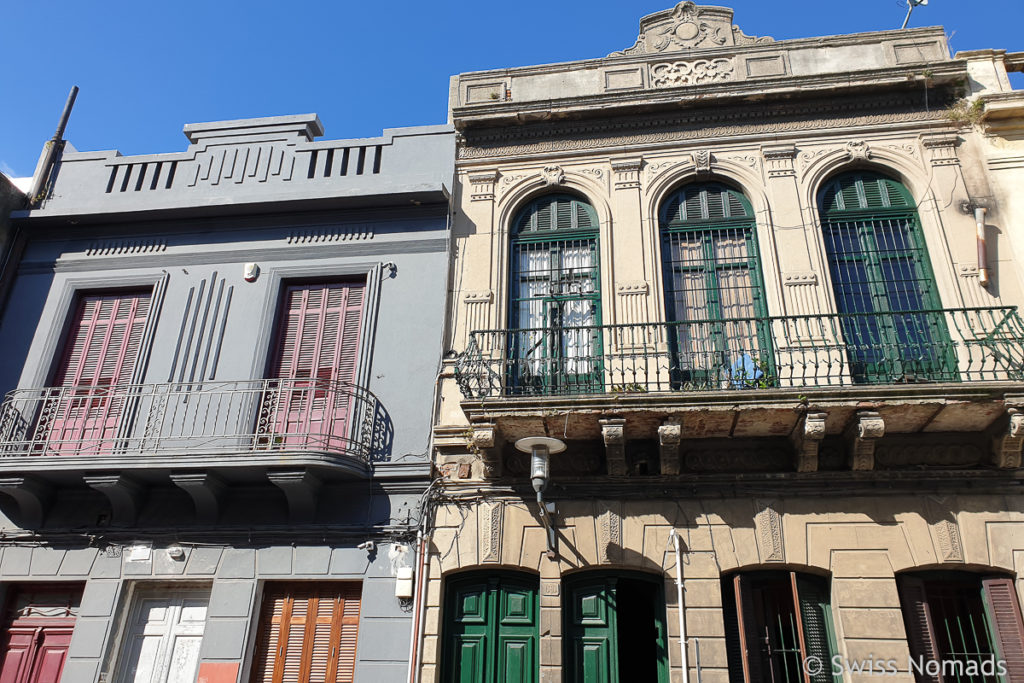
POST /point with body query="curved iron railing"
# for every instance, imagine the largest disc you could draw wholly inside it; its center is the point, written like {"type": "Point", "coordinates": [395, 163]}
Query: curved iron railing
{"type": "Point", "coordinates": [804, 351]}
{"type": "Point", "coordinates": [229, 417]}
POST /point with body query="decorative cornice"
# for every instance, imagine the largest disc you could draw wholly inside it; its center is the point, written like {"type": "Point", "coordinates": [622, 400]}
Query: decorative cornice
{"type": "Point", "coordinates": [700, 124]}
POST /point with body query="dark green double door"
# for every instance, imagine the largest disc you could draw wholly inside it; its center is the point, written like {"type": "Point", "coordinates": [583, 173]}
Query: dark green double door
{"type": "Point", "coordinates": [614, 630]}
{"type": "Point", "coordinates": [491, 630]}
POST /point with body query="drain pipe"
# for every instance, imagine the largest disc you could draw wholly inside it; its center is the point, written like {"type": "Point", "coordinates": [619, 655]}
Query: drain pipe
{"type": "Point", "coordinates": [677, 543]}
{"type": "Point", "coordinates": [419, 610]}
{"type": "Point", "coordinates": [979, 219]}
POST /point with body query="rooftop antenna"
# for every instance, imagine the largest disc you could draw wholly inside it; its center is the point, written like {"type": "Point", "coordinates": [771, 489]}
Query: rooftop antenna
{"type": "Point", "coordinates": [911, 4]}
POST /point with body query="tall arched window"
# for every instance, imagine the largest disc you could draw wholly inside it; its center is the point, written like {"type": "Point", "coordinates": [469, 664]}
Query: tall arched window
{"type": "Point", "coordinates": [882, 278]}
{"type": "Point", "coordinates": [555, 298]}
{"type": "Point", "coordinates": [714, 292]}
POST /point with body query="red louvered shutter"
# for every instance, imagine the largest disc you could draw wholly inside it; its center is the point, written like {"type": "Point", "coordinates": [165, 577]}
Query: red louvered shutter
{"type": "Point", "coordinates": [918, 621]}
{"type": "Point", "coordinates": [318, 347]}
{"type": "Point", "coordinates": [750, 644]}
{"type": "Point", "coordinates": [308, 634]}
{"type": "Point", "coordinates": [100, 354]}
{"type": "Point", "coordinates": [1004, 613]}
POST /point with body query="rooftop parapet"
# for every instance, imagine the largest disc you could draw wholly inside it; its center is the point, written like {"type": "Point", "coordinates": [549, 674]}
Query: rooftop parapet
{"type": "Point", "coordinates": [692, 52]}
{"type": "Point", "coordinates": [237, 166]}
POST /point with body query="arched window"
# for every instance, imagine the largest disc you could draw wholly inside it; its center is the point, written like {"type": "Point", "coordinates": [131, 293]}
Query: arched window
{"type": "Point", "coordinates": [964, 621]}
{"type": "Point", "coordinates": [774, 622]}
{"type": "Point", "coordinates": [882, 278]}
{"type": "Point", "coordinates": [614, 628]}
{"type": "Point", "coordinates": [714, 292]}
{"type": "Point", "coordinates": [491, 628]}
{"type": "Point", "coordinates": [555, 298]}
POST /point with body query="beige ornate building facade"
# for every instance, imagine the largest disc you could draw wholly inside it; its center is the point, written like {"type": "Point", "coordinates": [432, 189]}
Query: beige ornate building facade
{"type": "Point", "coordinates": [743, 281]}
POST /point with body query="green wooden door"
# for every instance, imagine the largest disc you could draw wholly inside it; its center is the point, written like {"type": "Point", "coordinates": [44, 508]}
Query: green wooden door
{"type": "Point", "coordinates": [491, 630]}
{"type": "Point", "coordinates": [614, 630]}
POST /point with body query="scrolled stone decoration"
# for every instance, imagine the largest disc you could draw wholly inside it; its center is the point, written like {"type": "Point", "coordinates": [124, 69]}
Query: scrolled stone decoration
{"type": "Point", "coordinates": [552, 175]}
{"type": "Point", "coordinates": [673, 74]}
{"type": "Point", "coordinates": [688, 26]}
{"type": "Point", "coordinates": [702, 160]}
{"type": "Point", "coordinates": [613, 433]}
{"type": "Point", "coordinates": [806, 440]}
{"type": "Point", "coordinates": [484, 440]}
{"type": "Point", "coordinates": [862, 434]}
{"type": "Point", "coordinates": [670, 435]}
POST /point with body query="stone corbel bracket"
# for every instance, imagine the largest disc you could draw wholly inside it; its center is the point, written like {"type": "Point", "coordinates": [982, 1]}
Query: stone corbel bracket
{"type": "Point", "coordinates": [1006, 447]}
{"type": "Point", "coordinates": [806, 439]}
{"type": "Point", "coordinates": [613, 433]}
{"type": "Point", "coordinates": [484, 439]}
{"type": "Point", "coordinates": [33, 496]}
{"type": "Point", "coordinates": [205, 489]}
{"type": "Point", "coordinates": [302, 489]}
{"type": "Point", "coordinates": [862, 434]}
{"type": "Point", "coordinates": [124, 494]}
{"type": "Point", "coordinates": [670, 436]}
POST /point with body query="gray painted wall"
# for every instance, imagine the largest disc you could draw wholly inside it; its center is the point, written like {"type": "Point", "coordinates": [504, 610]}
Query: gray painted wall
{"type": "Point", "coordinates": [389, 228]}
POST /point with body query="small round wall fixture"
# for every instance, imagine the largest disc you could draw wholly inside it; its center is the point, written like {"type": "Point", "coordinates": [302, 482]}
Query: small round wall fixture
{"type": "Point", "coordinates": [551, 445]}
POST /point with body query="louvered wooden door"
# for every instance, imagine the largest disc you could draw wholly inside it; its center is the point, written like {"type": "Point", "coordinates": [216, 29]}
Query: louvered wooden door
{"type": "Point", "coordinates": [308, 633]}
{"type": "Point", "coordinates": [100, 355]}
{"type": "Point", "coordinates": [318, 348]}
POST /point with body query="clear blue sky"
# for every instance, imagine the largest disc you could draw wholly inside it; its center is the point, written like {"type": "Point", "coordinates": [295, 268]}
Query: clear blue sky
{"type": "Point", "coordinates": [147, 68]}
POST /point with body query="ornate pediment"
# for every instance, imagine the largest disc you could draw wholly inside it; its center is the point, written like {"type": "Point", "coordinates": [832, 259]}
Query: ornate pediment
{"type": "Point", "coordinates": [688, 26]}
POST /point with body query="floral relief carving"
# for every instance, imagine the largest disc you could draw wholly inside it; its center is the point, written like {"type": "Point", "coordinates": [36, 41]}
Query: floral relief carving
{"type": "Point", "coordinates": [672, 74]}
{"type": "Point", "coordinates": [552, 175]}
{"type": "Point", "coordinates": [858, 149]}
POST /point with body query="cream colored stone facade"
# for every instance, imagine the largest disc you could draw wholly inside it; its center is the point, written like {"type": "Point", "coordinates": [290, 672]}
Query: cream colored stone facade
{"type": "Point", "coordinates": [790, 115]}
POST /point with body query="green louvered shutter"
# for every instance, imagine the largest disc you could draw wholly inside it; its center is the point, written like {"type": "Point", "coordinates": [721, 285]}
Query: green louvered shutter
{"type": "Point", "coordinates": [816, 622]}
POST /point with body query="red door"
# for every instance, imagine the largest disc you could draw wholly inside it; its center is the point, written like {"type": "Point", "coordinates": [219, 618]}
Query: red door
{"type": "Point", "coordinates": [315, 359]}
{"type": "Point", "coordinates": [37, 634]}
{"type": "Point", "coordinates": [82, 415]}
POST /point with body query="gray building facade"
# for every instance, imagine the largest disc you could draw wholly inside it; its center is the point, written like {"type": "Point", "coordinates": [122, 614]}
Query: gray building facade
{"type": "Point", "coordinates": [221, 367]}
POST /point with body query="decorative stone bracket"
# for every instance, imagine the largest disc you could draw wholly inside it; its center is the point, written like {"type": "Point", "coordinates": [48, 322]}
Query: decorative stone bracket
{"type": "Point", "coordinates": [484, 440]}
{"type": "Point", "coordinates": [33, 497]}
{"type": "Point", "coordinates": [1006, 447]}
{"type": "Point", "coordinates": [124, 493]}
{"type": "Point", "coordinates": [613, 433]}
{"type": "Point", "coordinates": [806, 439]}
{"type": "Point", "coordinates": [301, 488]}
{"type": "Point", "coordinates": [861, 434]}
{"type": "Point", "coordinates": [205, 490]}
{"type": "Point", "coordinates": [670, 436]}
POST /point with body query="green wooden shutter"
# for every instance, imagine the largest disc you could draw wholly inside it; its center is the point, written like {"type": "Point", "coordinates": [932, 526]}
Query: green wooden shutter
{"type": "Point", "coordinates": [918, 621]}
{"type": "Point", "coordinates": [591, 633]}
{"type": "Point", "coordinates": [812, 600]}
{"type": "Point", "coordinates": [1004, 617]}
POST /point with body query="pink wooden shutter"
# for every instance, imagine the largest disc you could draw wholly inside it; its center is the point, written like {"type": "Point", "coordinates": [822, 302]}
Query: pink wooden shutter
{"type": "Point", "coordinates": [100, 352]}
{"type": "Point", "coordinates": [318, 340]}
{"type": "Point", "coordinates": [1004, 611]}
{"type": "Point", "coordinates": [917, 618]}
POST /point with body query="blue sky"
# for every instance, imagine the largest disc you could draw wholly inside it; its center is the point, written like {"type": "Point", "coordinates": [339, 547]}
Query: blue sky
{"type": "Point", "coordinates": [147, 68]}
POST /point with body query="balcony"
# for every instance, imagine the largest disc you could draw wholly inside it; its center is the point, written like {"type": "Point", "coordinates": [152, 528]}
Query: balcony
{"type": "Point", "coordinates": [298, 433]}
{"type": "Point", "coordinates": [905, 372]}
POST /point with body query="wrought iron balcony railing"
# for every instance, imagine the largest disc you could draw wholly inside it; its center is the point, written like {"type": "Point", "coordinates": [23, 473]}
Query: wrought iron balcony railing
{"type": "Point", "coordinates": [830, 350]}
{"type": "Point", "coordinates": [196, 418]}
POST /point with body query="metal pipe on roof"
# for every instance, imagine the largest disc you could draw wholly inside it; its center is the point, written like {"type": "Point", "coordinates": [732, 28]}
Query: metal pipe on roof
{"type": "Point", "coordinates": [50, 150]}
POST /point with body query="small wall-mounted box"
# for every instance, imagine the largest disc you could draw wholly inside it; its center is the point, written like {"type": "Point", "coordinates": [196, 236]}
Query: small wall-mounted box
{"type": "Point", "coordinates": [403, 583]}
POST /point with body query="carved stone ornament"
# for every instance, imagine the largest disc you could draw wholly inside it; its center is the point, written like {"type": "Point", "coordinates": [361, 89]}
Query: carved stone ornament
{"type": "Point", "coordinates": [489, 528]}
{"type": "Point", "coordinates": [702, 160]}
{"type": "Point", "coordinates": [685, 27]}
{"type": "Point", "coordinates": [670, 435]}
{"type": "Point", "coordinates": [552, 175]}
{"type": "Point", "coordinates": [769, 531]}
{"type": "Point", "coordinates": [485, 442]}
{"type": "Point", "coordinates": [858, 150]}
{"type": "Point", "coordinates": [609, 533]}
{"type": "Point", "coordinates": [672, 74]}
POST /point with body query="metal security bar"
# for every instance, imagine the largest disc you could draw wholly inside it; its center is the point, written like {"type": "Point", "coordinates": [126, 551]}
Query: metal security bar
{"type": "Point", "coordinates": [288, 415]}
{"type": "Point", "coordinates": [984, 344]}
{"type": "Point", "coordinates": [961, 631]}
